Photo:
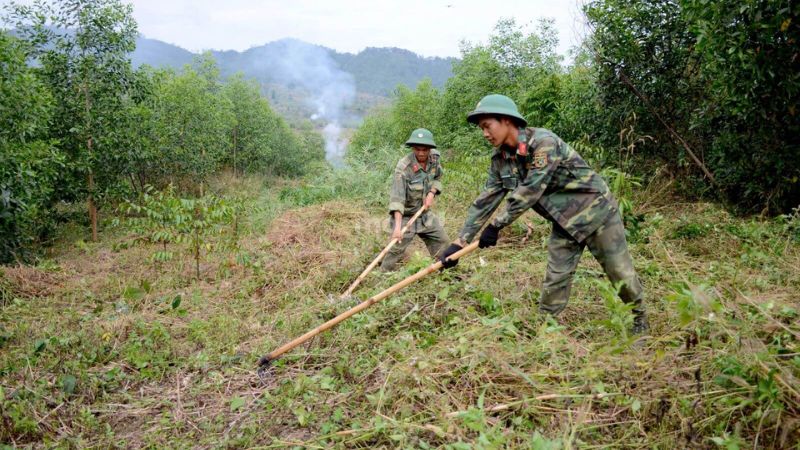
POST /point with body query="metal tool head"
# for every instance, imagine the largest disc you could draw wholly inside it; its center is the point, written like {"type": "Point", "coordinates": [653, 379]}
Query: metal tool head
{"type": "Point", "coordinates": [263, 370]}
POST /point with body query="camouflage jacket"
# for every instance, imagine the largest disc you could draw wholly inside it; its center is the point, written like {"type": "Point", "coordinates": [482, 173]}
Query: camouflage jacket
{"type": "Point", "coordinates": [412, 182]}
{"type": "Point", "coordinates": [552, 179]}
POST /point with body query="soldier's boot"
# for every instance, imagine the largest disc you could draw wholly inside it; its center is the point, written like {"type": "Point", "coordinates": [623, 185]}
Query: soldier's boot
{"type": "Point", "coordinates": [640, 323]}
{"type": "Point", "coordinates": [389, 265]}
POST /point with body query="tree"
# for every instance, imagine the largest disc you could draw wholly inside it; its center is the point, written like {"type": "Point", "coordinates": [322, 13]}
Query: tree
{"type": "Point", "coordinates": [83, 47]}
{"type": "Point", "coordinates": [29, 161]}
{"type": "Point", "coordinates": [747, 55]}
{"type": "Point", "coordinates": [512, 63]}
{"type": "Point", "coordinates": [192, 123]}
{"type": "Point", "coordinates": [725, 76]}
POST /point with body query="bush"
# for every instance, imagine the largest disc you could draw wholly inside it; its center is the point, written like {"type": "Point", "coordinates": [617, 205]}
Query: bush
{"type": "Point", "coordinates": [31, 164]}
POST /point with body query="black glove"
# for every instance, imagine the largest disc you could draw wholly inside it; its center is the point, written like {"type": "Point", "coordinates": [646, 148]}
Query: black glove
{"type": "Point", "coordinates": [489, 237]}
{"type": "Point", "coordinates": [449, 251]}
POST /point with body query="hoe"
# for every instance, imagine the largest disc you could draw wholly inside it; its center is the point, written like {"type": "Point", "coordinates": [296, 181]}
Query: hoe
{"type": "Point", "coordinates": [265, 360]}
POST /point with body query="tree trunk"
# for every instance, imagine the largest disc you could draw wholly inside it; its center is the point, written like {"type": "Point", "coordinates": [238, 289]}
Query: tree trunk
{"type": "Point", "coordinates": [90, 200]}
{"type": "Point", "coordinates": [234, 151]}
{"type": "Point", "coordinates": [197, 260]}
{"type": "Point", "coordinates": [87, 102]}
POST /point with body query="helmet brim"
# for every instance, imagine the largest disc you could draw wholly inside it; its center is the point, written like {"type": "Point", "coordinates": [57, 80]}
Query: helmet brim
{"type": "Point", "coordinates": [411, 143]}
{"type": "Point", "coordinates": [475, 116]}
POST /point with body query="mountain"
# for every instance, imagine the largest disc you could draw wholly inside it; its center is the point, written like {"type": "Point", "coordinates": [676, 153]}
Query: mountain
{"type": "Point", "coordinates": [376, 71]}
{"type": "Point", "coordinates": [159, 54]}
{"type": "Point", "coordinates": [380, 70]}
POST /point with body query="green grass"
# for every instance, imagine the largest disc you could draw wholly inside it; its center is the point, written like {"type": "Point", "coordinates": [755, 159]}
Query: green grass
{"type": "Point", "coordinates": [100, 347]}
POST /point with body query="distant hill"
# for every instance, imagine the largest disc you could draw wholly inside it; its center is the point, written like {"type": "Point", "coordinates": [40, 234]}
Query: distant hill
{"type": "Point", "coordinates": [377, 71]}
{"type": "Point", "coordinates": [380, 70]}
{"type": "Point", "coordinates": [159, 54]}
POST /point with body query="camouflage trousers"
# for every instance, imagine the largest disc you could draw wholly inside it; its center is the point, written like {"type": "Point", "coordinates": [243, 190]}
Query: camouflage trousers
{"type": "Point", "coordinates": [428, 228]}
{"type": "Point", "coordinates": [609, 247]}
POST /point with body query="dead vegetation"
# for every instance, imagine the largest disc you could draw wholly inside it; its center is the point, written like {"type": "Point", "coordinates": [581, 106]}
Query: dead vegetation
{"type": "Point", "coordinates": [104, 348]}
{"type": "Point", "coordinates": [28, 282]}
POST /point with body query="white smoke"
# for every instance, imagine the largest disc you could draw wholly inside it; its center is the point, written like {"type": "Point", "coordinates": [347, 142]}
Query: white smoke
{"type": "Point", "coordinates": [334, 144]}
{"type": "Point", "coordinates": [331, 89]}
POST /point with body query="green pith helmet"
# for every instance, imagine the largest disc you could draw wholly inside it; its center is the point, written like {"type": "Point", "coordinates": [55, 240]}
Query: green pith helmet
{"type": "Point", "coordinates": [421, 136]}
{"type": "Point", "coordinates": [497, 104]}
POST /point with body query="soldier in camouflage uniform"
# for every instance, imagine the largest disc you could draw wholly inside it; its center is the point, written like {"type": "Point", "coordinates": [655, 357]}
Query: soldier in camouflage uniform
{"type": "Point", "coordinates": [540, 171]}
{"type": "Point", "coordinates": [416, 182]}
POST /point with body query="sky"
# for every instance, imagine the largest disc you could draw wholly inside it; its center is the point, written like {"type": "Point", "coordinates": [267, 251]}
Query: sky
{"type": "Point", "coordinates": [428, 28]}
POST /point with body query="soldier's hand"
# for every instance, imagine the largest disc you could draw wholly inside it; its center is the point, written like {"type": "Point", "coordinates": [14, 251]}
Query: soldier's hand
{"type": "Point", "coordinates": [429, 200]}
{"type": "Point", "coordinates": [489, 237]}
{"type": "Point", "coordinates": [445, 254]}
{"type": "Point", "coordinates": [397, 234]}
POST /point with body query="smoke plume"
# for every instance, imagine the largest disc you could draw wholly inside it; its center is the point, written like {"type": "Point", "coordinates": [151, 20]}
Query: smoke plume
{"type": "Point", "coordinates": [331, 90]}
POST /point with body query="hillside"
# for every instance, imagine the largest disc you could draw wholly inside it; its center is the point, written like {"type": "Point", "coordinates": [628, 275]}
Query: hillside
{"type": "Point", "coordinates": [105, 346]}
{"type": "Point", "coordinates": [158, 237]}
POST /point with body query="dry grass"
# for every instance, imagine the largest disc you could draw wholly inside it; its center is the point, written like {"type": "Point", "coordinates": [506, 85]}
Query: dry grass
{"type": "Point", "coordinates": [460, 359]}
{"type": "Point", "coordinates": [29, 282]}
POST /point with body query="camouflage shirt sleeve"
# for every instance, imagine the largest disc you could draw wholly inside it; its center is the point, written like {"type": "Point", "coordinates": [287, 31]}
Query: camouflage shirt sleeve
{"type": "Point", "coordinates": [397, 194]}
{"type": "Point", "coordinates": [483, 206]}
{"type": "Point", "coordinates": [545, 160]}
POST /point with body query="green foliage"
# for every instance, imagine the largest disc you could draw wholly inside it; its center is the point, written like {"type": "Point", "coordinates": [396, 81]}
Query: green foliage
{"type": "Point", "coordinates": [390, 127]}
{"type": "Point", "coordinates": [189, 125]}
{"type": "Point", "coordinates": [746, 56]}
{"type": "Point", "coordinates": [622, 185]}
{"type": "Point", "coordinates": [83, 50]}
{"type": "Point", "coordinates": [791, 224]}
{"type": "Point", "coordinates": [724, 75]}
{"type": "Point", "coordinates": [522, 66]}
{"type": "Point", "coordinates": [694, 303]}
{"type": "Point", "coordinates": [147, 349]}
{"type": "Point", "coordinates": [191, 122]}
{"type": "Point", "coordinates": [691, 230]}
{"type": "Point", "coordinates": [377, 131]}
{"type": "Point", "coordinates": [95, 130]}
{"type": "Point", "coordinates": [161, 217]}
{"type": "Point", "coordinates": [620, 315]}
{"type": "Point", "coordinates": [356, 181]}
{"type": "Point", "coordinates": [30, 164]}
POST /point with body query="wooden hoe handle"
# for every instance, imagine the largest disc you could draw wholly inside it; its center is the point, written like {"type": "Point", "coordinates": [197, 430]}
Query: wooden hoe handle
{"type": "Point", "coordinates": [265, 360]}
{"type": "Point", "coordinates": [381, 254]}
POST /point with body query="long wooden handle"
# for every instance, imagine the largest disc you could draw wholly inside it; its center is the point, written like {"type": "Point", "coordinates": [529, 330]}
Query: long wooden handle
{"type": "Point", "coordinates": [364, 305]}
{"type": "Point", "coordinates": [382, 254]}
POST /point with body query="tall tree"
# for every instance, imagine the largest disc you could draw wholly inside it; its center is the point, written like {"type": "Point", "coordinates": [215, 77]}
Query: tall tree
{"type": "Point", "coordinates": [83, 48]}
{"type": "Point", "coordinates": [192, 122]}
{"type": "Point", "coordinates": [721, 78]}
{"type": "Point", "coordinates": [29, 161]}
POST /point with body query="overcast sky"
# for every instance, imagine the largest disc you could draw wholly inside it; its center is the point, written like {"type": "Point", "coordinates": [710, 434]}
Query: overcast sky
{"type": "Point", "coordinates": [429, 28]}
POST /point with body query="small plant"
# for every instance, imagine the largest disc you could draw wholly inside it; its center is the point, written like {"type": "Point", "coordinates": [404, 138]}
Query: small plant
{"type": "Point", "coordinates": [620, 318]}
{"type": "Point", "coordinates": [694, 303]}
{"type": "Point", "coordinates": [594, 155]}
{"type": "Point", "coordinates": [791, 224]}
{"type": "Point", "coordinates": [622, 185]}
{"type": "Point", "coordinates": [161, 217]}
{"type": "Point", "coordinates": [728, 442]}
{"type": "Point", "coordinates": [691, 230]}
